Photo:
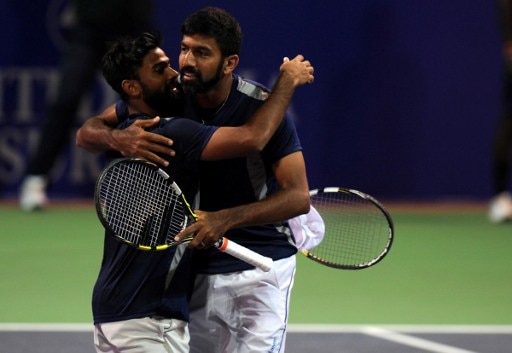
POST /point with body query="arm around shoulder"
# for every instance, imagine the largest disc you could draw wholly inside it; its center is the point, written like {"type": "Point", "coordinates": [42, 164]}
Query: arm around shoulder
{"type": "Point", "coordinates": [99, 134]}
{"type": "Point", "coordinates": [96, 133]}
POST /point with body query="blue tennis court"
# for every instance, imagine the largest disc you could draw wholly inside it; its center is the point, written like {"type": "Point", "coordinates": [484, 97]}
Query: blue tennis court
{"type": "Point", "coordinates": [77, 338]}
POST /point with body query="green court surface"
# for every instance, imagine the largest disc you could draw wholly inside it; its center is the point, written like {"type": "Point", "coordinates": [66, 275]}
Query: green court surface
{"type": "Point", "coordinates": [447, 265]}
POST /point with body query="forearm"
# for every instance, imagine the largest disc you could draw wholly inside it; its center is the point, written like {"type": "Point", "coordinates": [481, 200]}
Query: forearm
{"type": "Point", "coordinates": [263, 123]}
{"type": "Point", "coordinates": [96, 136]}
{"type": "Point", "coordinates": [253, 136]}
{"type": "Point", "coordinates": [99, 134]}
{"type": "Point", "coordinates": [291, 200]}
{"type": "Point", "coordinates": [283, 205]}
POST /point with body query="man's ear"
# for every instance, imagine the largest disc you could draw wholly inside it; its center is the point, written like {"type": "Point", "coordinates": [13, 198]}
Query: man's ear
{"type": "Point", "coordinates": [231, 62]}
{"type": "Point", "coordinates": [131, 87]}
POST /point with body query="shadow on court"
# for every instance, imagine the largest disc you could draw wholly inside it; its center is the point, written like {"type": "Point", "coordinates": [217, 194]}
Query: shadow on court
{"type": "Point", "coordinates": [357, 340]}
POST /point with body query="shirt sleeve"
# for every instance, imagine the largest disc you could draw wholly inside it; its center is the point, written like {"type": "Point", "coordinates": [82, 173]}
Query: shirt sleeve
{"type": "Point", "coordinates": [190, 137]}
{"type": "Point", "coordinates": [121, 111]}
{"type": "Point", "coordinates": [285, 141]}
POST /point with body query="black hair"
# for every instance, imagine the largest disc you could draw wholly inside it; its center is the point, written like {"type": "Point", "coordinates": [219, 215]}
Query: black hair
{"type": "Point", "coordinates": [124, 58]}
{"type": "Point", "coordinates": [218, 24]}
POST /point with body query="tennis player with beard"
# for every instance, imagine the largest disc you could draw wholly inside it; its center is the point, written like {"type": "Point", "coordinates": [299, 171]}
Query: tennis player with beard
{"type": "Point", "coordinates": [138, 303]}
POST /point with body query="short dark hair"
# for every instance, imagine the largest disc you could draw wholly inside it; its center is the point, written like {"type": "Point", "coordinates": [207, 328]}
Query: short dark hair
{"type": "Point", "coordinates": [218, 24]}
{"type": "Point", "coordinates": [124, 58]}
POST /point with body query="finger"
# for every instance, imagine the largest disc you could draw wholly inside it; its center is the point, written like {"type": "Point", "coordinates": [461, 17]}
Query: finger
{"type": "Point", "coordinates": [159, 139]}
{"type": "Point", "coordinates": [146, 123]}
{"type": "Point", "coordinates": [286, 59]}
{"type": "Point", "coordinates": [179, 236]}
{"type": "Point", "coordinates": [156, 159]}
{"type": "Point", "coordinates": [190, 230]}
{"type": "Point", "coordinates": [197, 242]}
{"type": "Point", "coordinates": [160, 146]}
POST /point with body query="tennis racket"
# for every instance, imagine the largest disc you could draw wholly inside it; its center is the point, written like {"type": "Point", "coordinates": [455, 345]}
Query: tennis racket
{"type": "Point", "coordinates": [142, 206]}
{"type": "Point", "coordinates": [358, 229]}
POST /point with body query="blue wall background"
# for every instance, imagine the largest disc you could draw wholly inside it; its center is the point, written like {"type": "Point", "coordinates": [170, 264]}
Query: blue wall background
{"type": "Point", "coordinates": [404, 104]}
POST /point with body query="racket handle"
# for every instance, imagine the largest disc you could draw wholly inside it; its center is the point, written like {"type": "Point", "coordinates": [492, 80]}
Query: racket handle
{"type": "Point", "coordinates": [241, 252]}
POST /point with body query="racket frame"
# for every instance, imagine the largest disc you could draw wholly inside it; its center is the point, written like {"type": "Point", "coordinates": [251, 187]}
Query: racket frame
{"type": "Point", "coordinates": [223, 244]}
{"type": "Point", "coordinates": [310, 253]}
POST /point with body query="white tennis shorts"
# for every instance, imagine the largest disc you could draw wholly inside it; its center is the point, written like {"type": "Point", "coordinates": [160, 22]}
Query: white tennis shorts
{"type": "Point", "coordinates": [242, 312]}
{"type": "Point", "coordinates": [155, 335]}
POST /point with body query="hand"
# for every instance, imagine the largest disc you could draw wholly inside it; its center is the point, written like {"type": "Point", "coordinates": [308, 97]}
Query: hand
{"type": "Point", "coordinates": [209, 228]}
{"type": "Point", "coordinates": [299, 69]}
{"type": "Point", "coordinates": [134, 141]}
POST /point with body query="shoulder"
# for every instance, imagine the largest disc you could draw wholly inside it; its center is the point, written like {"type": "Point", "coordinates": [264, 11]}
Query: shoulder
{"type": "Point", "coordinates": [251, 88]}
{"type": "Point", "coordinates": [178, 123]}
{"type": "Point", "coordinates": [183, 128]}
{"type": "Point", "coordinates": [121, 110]}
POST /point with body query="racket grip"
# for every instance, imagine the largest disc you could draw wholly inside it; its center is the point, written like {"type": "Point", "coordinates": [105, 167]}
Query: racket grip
{"type": "Point", "coordinates": [241, 252]}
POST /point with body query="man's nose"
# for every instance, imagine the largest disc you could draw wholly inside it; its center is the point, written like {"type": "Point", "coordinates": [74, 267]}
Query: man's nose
{"type": "Point", "coordinates": [189, 59]}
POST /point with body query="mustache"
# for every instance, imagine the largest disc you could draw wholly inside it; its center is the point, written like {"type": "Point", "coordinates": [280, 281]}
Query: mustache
{"type": "Point", "coordinates": [188, 70]}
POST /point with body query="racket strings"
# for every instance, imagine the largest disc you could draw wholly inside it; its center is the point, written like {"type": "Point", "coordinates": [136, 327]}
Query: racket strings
{"type": "Point", "coordinates": [356, 230]}
{"type": "Point", "coordinates": [139, 205]}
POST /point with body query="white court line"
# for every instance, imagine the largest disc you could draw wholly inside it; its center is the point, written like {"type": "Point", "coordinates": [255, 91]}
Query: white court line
{"type": "Point", "coordinates": [314, 328]}
{"type": "Point", "coordinates": [332, 328]}
{"type": "Point", "coordinates": [415, 342]}
{"type": "Point", "coordinates": [62, 327]}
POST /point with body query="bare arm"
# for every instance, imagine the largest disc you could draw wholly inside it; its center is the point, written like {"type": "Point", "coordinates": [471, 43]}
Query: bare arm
{"type": "Point", "coordinates": [99, 134]}
{"type": "Point", "coordinates": [291, 200]}
{"type": "Point", "coordinates": [230, 142]}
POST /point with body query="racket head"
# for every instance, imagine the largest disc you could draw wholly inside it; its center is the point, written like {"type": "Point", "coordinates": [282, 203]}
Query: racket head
{"type": "Point", "coordinates": [359, 231]}
{"type": "Point", "coordinates": [140, 205]}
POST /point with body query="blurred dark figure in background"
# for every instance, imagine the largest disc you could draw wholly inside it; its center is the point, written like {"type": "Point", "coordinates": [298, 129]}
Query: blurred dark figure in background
{"type": "Point", "coordinates": [97, 22]}
{"type": "Point", "coordinates": [500, 209]}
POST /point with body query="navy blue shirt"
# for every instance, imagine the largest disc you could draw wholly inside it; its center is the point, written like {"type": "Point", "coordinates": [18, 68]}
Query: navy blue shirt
{"type": "Point", "coordinates": [132, 283]}
{"type": "Point", "coordinates": [238, 181]}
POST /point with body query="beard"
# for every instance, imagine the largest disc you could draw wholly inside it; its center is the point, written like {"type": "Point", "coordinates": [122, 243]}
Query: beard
{"type": "Point", "coordinates": [199, 85]}
{"type": "Point", "coordinates": [168, 103]}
